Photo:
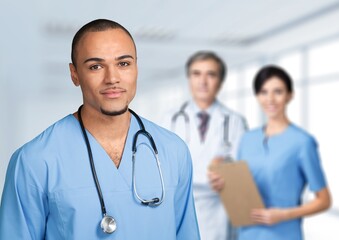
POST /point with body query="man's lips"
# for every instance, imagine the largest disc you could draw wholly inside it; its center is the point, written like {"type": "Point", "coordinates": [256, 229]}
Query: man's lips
{"type": "Point", "coordinates": [113, 93]}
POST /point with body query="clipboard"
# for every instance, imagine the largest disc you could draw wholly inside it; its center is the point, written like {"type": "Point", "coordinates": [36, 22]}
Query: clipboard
{"type": "Point", "coordinates": [240, 194]}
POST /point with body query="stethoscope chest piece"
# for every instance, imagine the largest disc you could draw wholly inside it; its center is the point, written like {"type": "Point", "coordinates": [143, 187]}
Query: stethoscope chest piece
{"type": "Point", "coordinates": [108, 224]}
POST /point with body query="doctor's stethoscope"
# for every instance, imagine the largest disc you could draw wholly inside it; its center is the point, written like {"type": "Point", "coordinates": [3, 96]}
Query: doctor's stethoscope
{"type": "Point", "coordinates": [108, 223]}
{"type": "Point", "coordinates": [182, 113]}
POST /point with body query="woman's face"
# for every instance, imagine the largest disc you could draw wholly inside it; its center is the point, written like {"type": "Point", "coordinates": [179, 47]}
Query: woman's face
{"type": "Point", "coordinates": [274, 97]}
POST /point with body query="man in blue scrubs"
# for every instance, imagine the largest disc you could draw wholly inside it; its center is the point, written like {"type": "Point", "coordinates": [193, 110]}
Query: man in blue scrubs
{"type": "Point", "coordinates": [50, 190]}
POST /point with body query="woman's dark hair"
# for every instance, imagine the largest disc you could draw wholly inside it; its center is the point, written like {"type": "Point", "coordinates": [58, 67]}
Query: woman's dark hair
{"type": "Point", "coordinates": [268, 72]}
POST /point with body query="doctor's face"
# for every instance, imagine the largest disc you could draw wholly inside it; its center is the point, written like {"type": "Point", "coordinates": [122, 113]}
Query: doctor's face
{"type": "Point", "coordinates": [106, 70]}
{"type": "Point", "coordinates": [274, 97]}
{"type": "Point", "coordinates": [204, 79]}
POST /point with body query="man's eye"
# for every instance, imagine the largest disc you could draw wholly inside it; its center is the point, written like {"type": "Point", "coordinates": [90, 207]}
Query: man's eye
{"type": "Point", "coordinates": [212, 74]}
{"type": "Point", "coordinates": [195, 74]}
{"type": "Point", "coordinates": [123, 64]}
{"type": "Point", "coordinates": [95, 67]}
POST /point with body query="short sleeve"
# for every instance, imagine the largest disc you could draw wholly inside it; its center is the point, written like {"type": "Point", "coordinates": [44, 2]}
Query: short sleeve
{"type": "Point", "coordinates": [311, 165]}
{"type": "Point", "coordinates": [24, 206]}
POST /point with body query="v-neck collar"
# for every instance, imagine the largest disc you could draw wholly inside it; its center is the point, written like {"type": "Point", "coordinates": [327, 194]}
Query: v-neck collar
{"type": "Point", "coordinates": [124, 171]}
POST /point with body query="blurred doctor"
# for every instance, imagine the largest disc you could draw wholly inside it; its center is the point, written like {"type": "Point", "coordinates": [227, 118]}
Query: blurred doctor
{"type": "Point", "coordinates": [212, 132]}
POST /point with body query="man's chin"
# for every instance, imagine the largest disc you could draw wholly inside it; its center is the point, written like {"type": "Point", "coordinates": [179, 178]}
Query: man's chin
{"type": "Point", "coordinates": [114, 112]}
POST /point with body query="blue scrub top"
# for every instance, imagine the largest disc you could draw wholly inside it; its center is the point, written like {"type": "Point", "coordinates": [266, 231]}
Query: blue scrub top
{"type": "Point", "coordinates": [49, 191]}
{"type": "Point", "coordinates": [281, 165]}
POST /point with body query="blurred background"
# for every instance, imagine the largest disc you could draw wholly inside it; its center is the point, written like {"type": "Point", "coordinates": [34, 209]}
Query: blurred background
{"type": "Point", "coordinates": [301, 36]}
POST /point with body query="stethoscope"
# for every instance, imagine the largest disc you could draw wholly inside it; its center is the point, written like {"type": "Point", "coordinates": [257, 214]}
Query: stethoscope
{"type": "Point", "coordinates": [108, 223]}
{"type": "Point", "coordinates": [182, 113]}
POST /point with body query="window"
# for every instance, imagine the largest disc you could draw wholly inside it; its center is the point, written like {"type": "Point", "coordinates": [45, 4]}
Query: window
{"type": "Point", "coordinates": [324, 59]}
{"type": "Point", "coordinates": [231, 82]}
{"type": "Point", "coordinates": [295, 111]}
{"type": "Point", "coordinates": [249, 72]}
{"type": "Point", "coordinates": [292, 64]}
{"type": "Point", "coordinates": [323, 123]}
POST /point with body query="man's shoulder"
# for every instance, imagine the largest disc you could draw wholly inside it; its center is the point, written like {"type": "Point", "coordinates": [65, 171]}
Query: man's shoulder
{"type": "Point", "coordinates": [230, 112]}
{"type": "Point", "coordinates": [57, 130]}
{"type": "Point", "coordinates": [46, 145]}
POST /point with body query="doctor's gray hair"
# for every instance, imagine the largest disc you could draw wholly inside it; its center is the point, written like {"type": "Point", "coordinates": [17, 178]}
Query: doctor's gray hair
{"type": "Point", "coordinates": [208, 55]}
{"type": "Point", "coordinates": [97, 25]}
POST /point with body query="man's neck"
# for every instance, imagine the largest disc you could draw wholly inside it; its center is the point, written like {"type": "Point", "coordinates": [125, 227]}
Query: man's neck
{"type": "Point", "coordinates": [109, 131]}
{"type": "Point", "coordinates": [99, 124]}
{"type": "Point", "coordinates": [204, 105]}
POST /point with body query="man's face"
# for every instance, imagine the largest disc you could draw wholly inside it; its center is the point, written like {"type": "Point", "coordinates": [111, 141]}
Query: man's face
{"type": "Point", "coordinates": [204, 79]}
{"type": "Point", "coordinates": [106, 70]}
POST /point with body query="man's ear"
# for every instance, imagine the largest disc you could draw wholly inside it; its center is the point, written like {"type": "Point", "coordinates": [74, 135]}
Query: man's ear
{"type": "Point", "coordinates": [74, 74]}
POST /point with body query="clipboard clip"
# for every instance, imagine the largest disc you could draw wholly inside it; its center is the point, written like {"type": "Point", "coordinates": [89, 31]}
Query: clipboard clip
{"type": "Point", "coordinates": [229, 159]}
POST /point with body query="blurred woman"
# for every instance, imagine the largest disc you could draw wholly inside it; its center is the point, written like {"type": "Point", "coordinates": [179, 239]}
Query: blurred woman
{"type": "Point", "coordinates": [283, 159]}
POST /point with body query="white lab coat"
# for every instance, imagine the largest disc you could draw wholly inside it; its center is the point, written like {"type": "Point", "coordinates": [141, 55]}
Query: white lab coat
{"type": "Point", "coordinates": [211, 215]}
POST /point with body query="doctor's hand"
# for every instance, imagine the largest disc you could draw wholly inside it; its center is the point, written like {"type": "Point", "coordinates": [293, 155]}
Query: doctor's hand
{"type": "Point", "coordinates": [216, 181]}
{"type": "Point", "coordinates": [269, 216]}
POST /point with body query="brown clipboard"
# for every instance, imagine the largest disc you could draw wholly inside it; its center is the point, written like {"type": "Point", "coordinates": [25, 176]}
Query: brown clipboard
{"type": "Point", "coordinates": [240, 194]}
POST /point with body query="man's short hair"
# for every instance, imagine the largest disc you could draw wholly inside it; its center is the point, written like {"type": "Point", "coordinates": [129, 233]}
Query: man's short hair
{"type": "Point", "coordinates": [97, 25]}
{"type": "Point", "coordinates": [208, 55]}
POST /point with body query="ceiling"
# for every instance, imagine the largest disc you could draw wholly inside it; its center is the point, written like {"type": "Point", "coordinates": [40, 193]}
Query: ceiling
{"type": "Point", "coordinates": [167, 32]}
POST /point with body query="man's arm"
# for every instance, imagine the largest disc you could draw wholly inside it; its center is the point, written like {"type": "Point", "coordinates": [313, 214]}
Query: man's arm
{"type": "Point", "coordinates": [24, 205]}
{"type": "Point", "coordinates": [187, 226]}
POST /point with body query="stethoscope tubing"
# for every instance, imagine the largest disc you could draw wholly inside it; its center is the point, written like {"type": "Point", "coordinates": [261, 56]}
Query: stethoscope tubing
{"type": "Point", "coordinates": [153, 201]}
{"type": "Point", "coordinates": [182, 113]}
{"type": "Point", "coordinates": [90, 156]}
{"type": "Point", "coordinates": [108, 223]}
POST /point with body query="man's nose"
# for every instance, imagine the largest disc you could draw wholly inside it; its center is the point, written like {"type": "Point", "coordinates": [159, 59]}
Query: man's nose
{"type": "Point", "coordinates": [112, 75]}
{"type": "Point", "coordinates": [203, 79]}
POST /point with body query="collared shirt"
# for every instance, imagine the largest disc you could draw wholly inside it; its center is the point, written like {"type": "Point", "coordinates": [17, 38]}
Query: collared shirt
{"type": "Point", "coordinates": [214, 144]}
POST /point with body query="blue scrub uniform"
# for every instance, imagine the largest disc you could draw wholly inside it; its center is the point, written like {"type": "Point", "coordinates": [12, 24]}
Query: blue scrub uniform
{"type": "Point", "coordinates": [49, 191]}
{"type": "Point", "coordinates": [281, 166]}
